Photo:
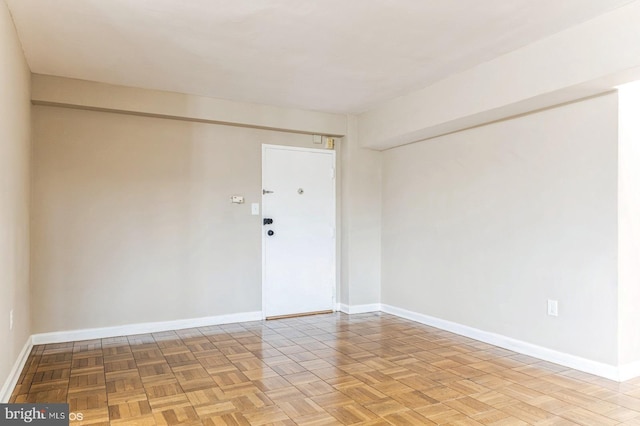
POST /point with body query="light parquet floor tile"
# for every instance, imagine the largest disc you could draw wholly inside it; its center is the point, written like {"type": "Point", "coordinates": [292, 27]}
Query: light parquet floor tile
{"type": "Point", "coordinates": [334, 369]}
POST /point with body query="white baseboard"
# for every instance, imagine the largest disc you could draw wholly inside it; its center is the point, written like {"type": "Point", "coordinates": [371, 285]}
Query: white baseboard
{"type": "Point", "coordinates": [14, 375]}
{"type": "Point", "coordinates": [359, 309]}
{"type": "Point", "coordinates": [629, 371]}
{"type": "Point", "coordinates": [149, 327]}
{"type": "Point", "coordinates": [621, 373]}
{"type": "Point", "coordinates": [577, 363]}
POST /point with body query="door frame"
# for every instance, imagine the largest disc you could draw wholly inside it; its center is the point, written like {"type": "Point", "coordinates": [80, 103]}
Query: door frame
{"type": "Point", "coordinates": [333, 209]}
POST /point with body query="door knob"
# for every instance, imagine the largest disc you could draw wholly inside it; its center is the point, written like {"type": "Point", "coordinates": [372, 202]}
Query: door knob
{"type": "Point", "coordinates": [270, 232]}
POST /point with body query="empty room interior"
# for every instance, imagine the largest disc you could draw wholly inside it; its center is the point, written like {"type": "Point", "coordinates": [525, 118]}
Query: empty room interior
{"type": "Point", "coordinates": [321, 212]}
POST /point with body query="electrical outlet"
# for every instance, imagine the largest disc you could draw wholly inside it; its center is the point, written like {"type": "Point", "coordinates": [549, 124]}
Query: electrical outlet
{"type": "Point", "coordinates": [552, 308]}
{"type": "Point", "coordinates": [11, 320]}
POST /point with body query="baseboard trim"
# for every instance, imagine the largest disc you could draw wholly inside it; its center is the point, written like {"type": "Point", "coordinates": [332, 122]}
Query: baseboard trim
{"type": "Point", "coordinates": [620, 373]}
{"type": "Point", "coordinates": [14, 374]}
{"type": "Point", "coordinates": [149, 327]}
{"type": "Point", "coordinates": [359, 309]}
{"type": "Point", "coordinates": [577, 363]}
{"type": "Point", "coordinates": [629, 371]}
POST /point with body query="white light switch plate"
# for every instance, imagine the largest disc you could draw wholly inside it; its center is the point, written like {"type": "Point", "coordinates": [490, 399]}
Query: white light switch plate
{"type": "Point", "coordinates": [255, 209]}
{"type": "Point", "coordinates": [552, 308]}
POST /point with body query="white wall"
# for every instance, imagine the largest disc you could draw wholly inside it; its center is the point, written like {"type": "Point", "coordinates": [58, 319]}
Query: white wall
{"type": "Point", "coordinates": [481, 227]}
{"type": "Point", "coordinates": [14, 194]}
{"type": "Point", "coordinates": [629, 223]}
{"type": "Point", "coordinates": [132, 220]}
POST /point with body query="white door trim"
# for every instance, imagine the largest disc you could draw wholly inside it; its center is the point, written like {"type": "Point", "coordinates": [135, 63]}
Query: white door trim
{"type": "Point", "coordinates": [335, 252]}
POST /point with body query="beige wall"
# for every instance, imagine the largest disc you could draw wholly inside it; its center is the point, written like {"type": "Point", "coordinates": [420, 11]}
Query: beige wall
{"type": "Point", "coordinates": [483, 226]}
{"type": "Point", "coordinates": [132, 220]}
{"type": "Point", "coordinates": [14, 194]}
{"type": "Point", "coordinates": [132, 223]}
{"type": "Point", "coordinates": [360, 215]}
{"type": "Point", "coordinates": [50, 90]}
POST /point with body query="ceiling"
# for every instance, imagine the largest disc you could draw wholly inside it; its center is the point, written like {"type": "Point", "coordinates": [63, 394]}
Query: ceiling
{"type": "Point", "coordinates": [329, 55]}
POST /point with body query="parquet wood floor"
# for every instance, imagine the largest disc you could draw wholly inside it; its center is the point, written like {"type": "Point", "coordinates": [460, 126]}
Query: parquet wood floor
{"type": "Point", "coordinates": [369, 369]}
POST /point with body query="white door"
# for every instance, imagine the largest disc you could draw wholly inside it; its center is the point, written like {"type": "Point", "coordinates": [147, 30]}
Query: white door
{"type": "Point", "coordinates": [298, 232]}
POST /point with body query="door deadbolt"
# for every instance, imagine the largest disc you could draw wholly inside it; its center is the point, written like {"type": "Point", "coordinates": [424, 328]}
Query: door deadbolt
{"type": "Point", "coordinates": [267, 221]}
